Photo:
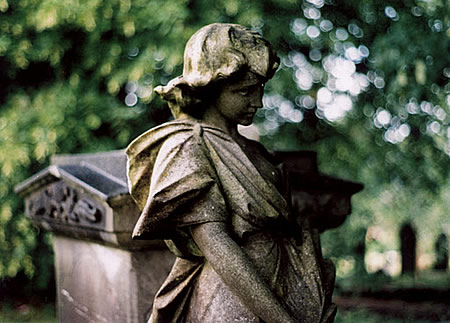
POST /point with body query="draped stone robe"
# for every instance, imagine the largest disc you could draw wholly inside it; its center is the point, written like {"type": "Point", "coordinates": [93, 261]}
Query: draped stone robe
{"type": "Point", "coordinates": [185, 173]}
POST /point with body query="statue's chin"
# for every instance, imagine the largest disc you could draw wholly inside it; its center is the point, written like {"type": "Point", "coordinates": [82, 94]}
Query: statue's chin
{"type": "Point", "coordinates": [246, 122]}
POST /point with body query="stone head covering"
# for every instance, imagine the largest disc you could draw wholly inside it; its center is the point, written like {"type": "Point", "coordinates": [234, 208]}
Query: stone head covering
{"type": "Point", "coordinates": [218, 51]}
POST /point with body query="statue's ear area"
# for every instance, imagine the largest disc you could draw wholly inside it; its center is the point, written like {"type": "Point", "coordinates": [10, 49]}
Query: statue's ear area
{"type": "Point", "coordinates": [176, 91]}
{"type": "Point", "coordinates": [186, 95]}
{"type": "Point", "coordinates": [169, 92]}
{"type": "Point", "coordinates": [180, 96]}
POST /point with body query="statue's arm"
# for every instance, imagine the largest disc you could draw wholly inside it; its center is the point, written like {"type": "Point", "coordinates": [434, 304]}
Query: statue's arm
{"type": "Point", "coordinates": [238, 272]}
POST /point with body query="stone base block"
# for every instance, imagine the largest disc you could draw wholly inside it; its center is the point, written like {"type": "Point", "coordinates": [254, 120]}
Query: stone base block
{"type": "Point", "coordinates": [98, 283]}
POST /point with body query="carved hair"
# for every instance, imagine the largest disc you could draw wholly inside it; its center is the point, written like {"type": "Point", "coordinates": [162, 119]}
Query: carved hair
{"type": "Point", "coordinates": [215, 53]}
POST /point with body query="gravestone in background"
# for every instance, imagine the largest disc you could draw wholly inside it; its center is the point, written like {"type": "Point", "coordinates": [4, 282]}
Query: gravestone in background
{"type": "Point", "coordinates": [441, 251]}
{"type": "Point", "coordinates": [102, 275]}
{"type": "Point", "coordinates": [408, 248]}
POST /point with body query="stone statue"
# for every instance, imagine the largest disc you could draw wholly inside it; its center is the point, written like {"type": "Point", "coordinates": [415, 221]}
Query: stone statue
{"type": "Point", "coordinates": [219, 200]}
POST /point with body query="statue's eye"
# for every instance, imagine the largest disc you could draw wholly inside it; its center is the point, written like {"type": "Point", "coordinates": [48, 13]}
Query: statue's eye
{"type": "Point", "coordinates": [244, 91]}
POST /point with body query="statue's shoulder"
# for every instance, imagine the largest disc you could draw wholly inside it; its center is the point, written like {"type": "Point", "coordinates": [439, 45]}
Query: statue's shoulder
{"type": "Point", "coordinates": [176, 133]}
{"type": "Point", "coordinates": [157, 135]}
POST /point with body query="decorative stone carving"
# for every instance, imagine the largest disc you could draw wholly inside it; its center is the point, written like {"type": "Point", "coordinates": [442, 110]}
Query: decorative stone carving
{"type": "Point", "coordinates": [86, 197]}
{"type": "Point", "coordinates": [62, 203]}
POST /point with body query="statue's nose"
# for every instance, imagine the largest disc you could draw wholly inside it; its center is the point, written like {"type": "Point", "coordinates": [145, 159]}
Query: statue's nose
{"type": "Point", "coordinates": [257, 98]}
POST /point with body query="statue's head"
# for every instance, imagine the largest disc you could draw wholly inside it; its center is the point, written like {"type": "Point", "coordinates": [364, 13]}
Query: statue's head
{"type": "Point", "coordinates": [215, 54]}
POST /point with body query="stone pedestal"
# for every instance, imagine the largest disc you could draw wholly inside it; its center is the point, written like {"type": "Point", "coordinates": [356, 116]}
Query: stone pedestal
{"type": "Point", "coordinates": [98, 283]}
{"type": "Point", "coordinates": [102, 275]}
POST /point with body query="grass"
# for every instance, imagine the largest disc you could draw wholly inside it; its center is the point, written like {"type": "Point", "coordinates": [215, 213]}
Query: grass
{"type": "Point", "coordinates": [359, 315]}
{"type": "Point", "coordinates": [47, 314]}
{"type": "Point", "coordinates": [27, 313]}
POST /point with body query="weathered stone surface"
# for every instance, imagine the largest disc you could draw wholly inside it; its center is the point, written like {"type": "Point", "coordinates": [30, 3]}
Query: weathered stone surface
{"type": "Point", "coordinates": [110, 162]}
{"type": "Point", "coordinates": [97, 283]}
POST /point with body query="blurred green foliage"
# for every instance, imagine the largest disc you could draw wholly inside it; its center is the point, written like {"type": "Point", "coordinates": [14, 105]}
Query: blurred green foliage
{"type": "Point", "coordinates": [364, 83]}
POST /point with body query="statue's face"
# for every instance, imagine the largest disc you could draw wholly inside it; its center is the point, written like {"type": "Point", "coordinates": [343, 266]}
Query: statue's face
{"type": "Point", "coordinates": [238, 101]}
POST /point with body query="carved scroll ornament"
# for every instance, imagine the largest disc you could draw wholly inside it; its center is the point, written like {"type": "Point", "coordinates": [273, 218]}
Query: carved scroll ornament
{"type": "Point", "coordinates": [59, 202]}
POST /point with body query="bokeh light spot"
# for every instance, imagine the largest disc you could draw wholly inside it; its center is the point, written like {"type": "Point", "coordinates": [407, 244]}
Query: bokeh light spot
{"type": "Point", "coordinates": [379, 82]}
{"type": "Point", "coordinates": [382, 118]}
{"type": "Point", "coordinates": [316, 3]}
{"type": "Point", "coordinates": [312, 13]}
{"type": "Point", "coordinates": [341, 34]}
{"type": "Point", "coordinates": [131, 99]}
{"type": "Point", "coordinates": [313, 32]}
{"type": "Point", "coordinates": [363, 51]}
{"type": "Point", "coordinates": [298, 26]}
{"type": "Point", "coordinates": [417, 11]}
{"type": "Point", "coordinates": [391, 13]}
{"type": "Point", "coordinates": [326, 25]}
{"type": "Point", "coordinates": [315, 55]}
{"type": "Point", "coordinates": [305, 101]}
{"type": "Point", "coordinates": [324, 95]}
{"type": "Point", "coordinates": [434, 127]}
{"type": "Point", "coordinates": [304, 79]}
